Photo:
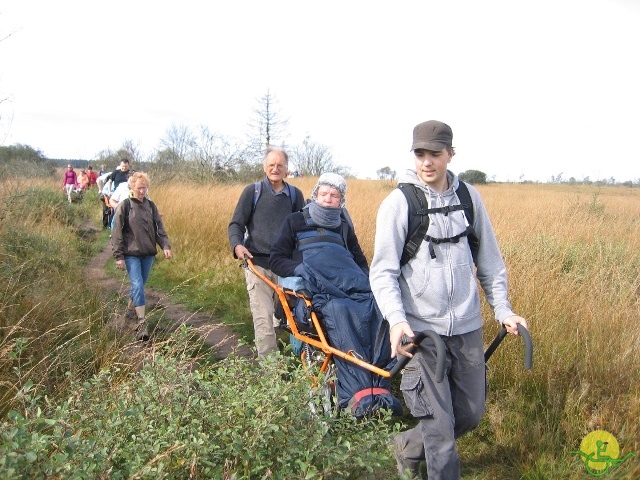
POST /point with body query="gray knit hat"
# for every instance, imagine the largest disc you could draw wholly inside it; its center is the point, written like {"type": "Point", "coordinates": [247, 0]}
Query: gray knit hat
{"type": "Point", "coordinates": [332, 180]}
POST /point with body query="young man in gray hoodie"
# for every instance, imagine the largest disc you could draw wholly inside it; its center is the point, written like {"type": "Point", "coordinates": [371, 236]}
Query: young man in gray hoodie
{"type": "Point", "coordinates": [437, 290]}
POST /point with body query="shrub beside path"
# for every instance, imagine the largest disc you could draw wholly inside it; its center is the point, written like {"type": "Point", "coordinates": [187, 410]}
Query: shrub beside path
{"type": "Point", "coordinates": [215, 334]}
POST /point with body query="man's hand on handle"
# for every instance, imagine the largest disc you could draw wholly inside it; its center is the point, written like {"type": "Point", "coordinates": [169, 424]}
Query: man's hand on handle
{"type": "Point", "coordinates": [511, 324]}
{"type": "Point", "coordinates": [241, 252]}
{"type": "Point", "coordinates": [395, 336]}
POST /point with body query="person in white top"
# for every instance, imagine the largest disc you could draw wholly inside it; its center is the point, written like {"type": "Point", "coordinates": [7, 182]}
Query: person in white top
{"type": "Point", "coordinates": [121, 192]}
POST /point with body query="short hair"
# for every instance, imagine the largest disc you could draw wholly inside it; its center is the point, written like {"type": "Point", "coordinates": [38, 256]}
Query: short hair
{"type": "Point", "coordinates": [125, 160]}
{"type": "Point", "coordinates": [133, 178]}
{"type": "Point", "coordinates": [276, 149]}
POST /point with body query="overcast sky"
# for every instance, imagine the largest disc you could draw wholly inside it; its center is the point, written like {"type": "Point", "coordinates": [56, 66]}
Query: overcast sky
{"type": "Point", "coordinates": [531, 89]}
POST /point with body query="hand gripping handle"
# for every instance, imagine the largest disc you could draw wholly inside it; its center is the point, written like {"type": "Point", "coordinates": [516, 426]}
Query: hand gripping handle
{"type": "Point", "coordinates": [417, 340]}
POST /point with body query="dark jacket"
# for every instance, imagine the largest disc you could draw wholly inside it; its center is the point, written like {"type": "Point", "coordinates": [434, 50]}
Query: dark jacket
{"type": "Point", "coordinates": [143, 232]}
{"type": "Point", "coordinates": [284, 257]}
{"type": "Point", "coordinates": [258, 228]}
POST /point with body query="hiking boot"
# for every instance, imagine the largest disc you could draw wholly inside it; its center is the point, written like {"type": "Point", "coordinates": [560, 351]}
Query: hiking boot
{"type": "Point", "coordinates": [130, 313]}
{"type": "Point", "coordinates": [142, 332]}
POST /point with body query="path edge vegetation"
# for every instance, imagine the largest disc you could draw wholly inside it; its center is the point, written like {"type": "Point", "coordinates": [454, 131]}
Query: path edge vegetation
{"type": "Point", "coordinates": [79, 402]}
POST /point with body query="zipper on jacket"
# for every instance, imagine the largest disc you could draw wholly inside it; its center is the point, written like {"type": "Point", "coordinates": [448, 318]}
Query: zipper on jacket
{"type": "Point", "coordinates": [447, 233]}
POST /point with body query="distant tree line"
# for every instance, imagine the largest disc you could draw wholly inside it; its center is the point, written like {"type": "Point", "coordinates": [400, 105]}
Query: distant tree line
{"type": "Point", "coordinates": [203, 155]}
{"type": "Point", "coordinates": [477, 177]}
{"type": "Point", "coordinates": [23, 161]}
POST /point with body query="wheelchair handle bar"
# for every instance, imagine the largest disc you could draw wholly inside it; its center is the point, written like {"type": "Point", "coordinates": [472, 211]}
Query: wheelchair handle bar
{"type": "Point", "coordinates": [417, 340]}
{"type": "Point", "coordinates": [440, 350]}
{"type": "Point", "coordinates": [526, 338]}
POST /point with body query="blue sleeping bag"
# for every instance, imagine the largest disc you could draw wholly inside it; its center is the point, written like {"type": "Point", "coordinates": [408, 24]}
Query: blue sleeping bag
{"type": "Point", "coordinates": [343, 300]}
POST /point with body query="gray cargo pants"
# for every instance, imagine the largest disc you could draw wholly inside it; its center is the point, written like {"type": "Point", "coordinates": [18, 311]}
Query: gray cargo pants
{"type": "Point", "coordinates": [446, 410]}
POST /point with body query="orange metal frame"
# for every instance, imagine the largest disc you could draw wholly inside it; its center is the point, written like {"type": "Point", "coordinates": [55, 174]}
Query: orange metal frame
{"type": "Point", "coordinates": [320, 343]}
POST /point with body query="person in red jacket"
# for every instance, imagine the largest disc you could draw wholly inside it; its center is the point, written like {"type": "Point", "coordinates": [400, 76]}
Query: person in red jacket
{"type": "Point", "coordinates": [92, 176]}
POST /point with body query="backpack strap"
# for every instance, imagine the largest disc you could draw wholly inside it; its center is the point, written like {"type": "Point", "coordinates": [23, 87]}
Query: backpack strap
{"type": "Point", "coordinates": [419, 221]}
{"type": "Point", "coordinates": [257, 190]}
{"type": "Point", "coordinates": [126, 205]}
{"type": "Point", "coordinates": [465, 200]}
{"type": "Point", "coordinates": [154, 211]}
{"type": "Point", "coordinates": [292, 196]}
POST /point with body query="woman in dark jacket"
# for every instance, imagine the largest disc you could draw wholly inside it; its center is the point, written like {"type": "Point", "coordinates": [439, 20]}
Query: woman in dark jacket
{"type": "Point", "coordinates": [136, 231]}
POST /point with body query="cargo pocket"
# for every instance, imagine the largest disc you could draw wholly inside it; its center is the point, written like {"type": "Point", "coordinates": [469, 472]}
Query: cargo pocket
{"type": "Point", "coordinates": [414, 395]}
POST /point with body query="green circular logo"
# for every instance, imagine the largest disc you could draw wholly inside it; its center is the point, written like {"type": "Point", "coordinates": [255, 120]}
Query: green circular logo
{"type": "Point", "coordinates": [600, 451]}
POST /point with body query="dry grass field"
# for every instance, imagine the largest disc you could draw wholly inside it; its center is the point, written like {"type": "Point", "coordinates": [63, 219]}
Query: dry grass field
{"type": "Point", "coordinates": [573, 259]}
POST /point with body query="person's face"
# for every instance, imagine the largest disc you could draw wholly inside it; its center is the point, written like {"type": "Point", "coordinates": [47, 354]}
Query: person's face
{"type": "Point", "coordinates": [140, 189]}
{"type": "Point", "coordinates": [327, 196]}
{"type": "Point", "coordinates": [431, 167]}
{"type": "Point", "coordinates": [275, 167]}
{"type": "Point", "coordinates": [124, 166]}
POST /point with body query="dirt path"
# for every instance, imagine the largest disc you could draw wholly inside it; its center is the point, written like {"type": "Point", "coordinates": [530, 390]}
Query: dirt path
{"type": "Point", "coordinates": [215, 334]}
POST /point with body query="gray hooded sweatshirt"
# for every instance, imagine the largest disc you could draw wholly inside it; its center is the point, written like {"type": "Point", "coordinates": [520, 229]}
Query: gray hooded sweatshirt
{"type": "Point", "coordinates": [440, 293]}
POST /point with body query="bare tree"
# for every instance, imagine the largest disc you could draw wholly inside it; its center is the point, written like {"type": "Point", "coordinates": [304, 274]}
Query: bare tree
{"type": "Point", "coordinates": [108, 157]}
{"type": "Point", "coordinates": [267, 127]}
{"type": "Point", "coordinates": [133, 151]}
{"type": "Point", "coordinates": [217, 155]}
{"type": "Point", "coordinates": [311, 158]}
{"type": "Point", "coordinates": [178, 144]}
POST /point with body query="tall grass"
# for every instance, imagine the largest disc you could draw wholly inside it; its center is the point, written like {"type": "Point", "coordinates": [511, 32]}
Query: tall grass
{"type": "Point", "coordinates": [49, 322]}
{"type": "Point", "coordinates": [573, 260]}
{"type": "Point", "coordinates": [78, 400]}
{"type": "Point", "coordinates": [572, 254]}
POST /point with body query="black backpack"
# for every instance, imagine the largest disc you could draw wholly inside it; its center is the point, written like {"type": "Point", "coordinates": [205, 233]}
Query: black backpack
{"type": "Point", "coordinates": [419, 221]}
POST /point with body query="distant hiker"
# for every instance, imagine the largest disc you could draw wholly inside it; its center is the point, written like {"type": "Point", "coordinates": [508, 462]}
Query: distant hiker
{"type": "Point", "coordinates": [83, 181]}
{"type": "Point", "coordinates": [119, 193]}
{"type": "Point", "coordinates": [121, 173]}
{"type": "Point", "coordinates": [436, 289]}
{"type": "Point", "coordinates": [69, 181]}
{"type": "Point", "coordinates": [256, 221]}
{"type": "Point", "coordinates": [91, 175]}
{"type": "Point", "coordinates": [136, 231]}
{"type": "Point", "coordinates": [103, 183]}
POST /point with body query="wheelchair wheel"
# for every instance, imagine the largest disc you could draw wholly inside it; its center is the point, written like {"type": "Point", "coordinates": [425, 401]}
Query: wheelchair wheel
{"type": "Point", "coordinates": [322, 392]}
